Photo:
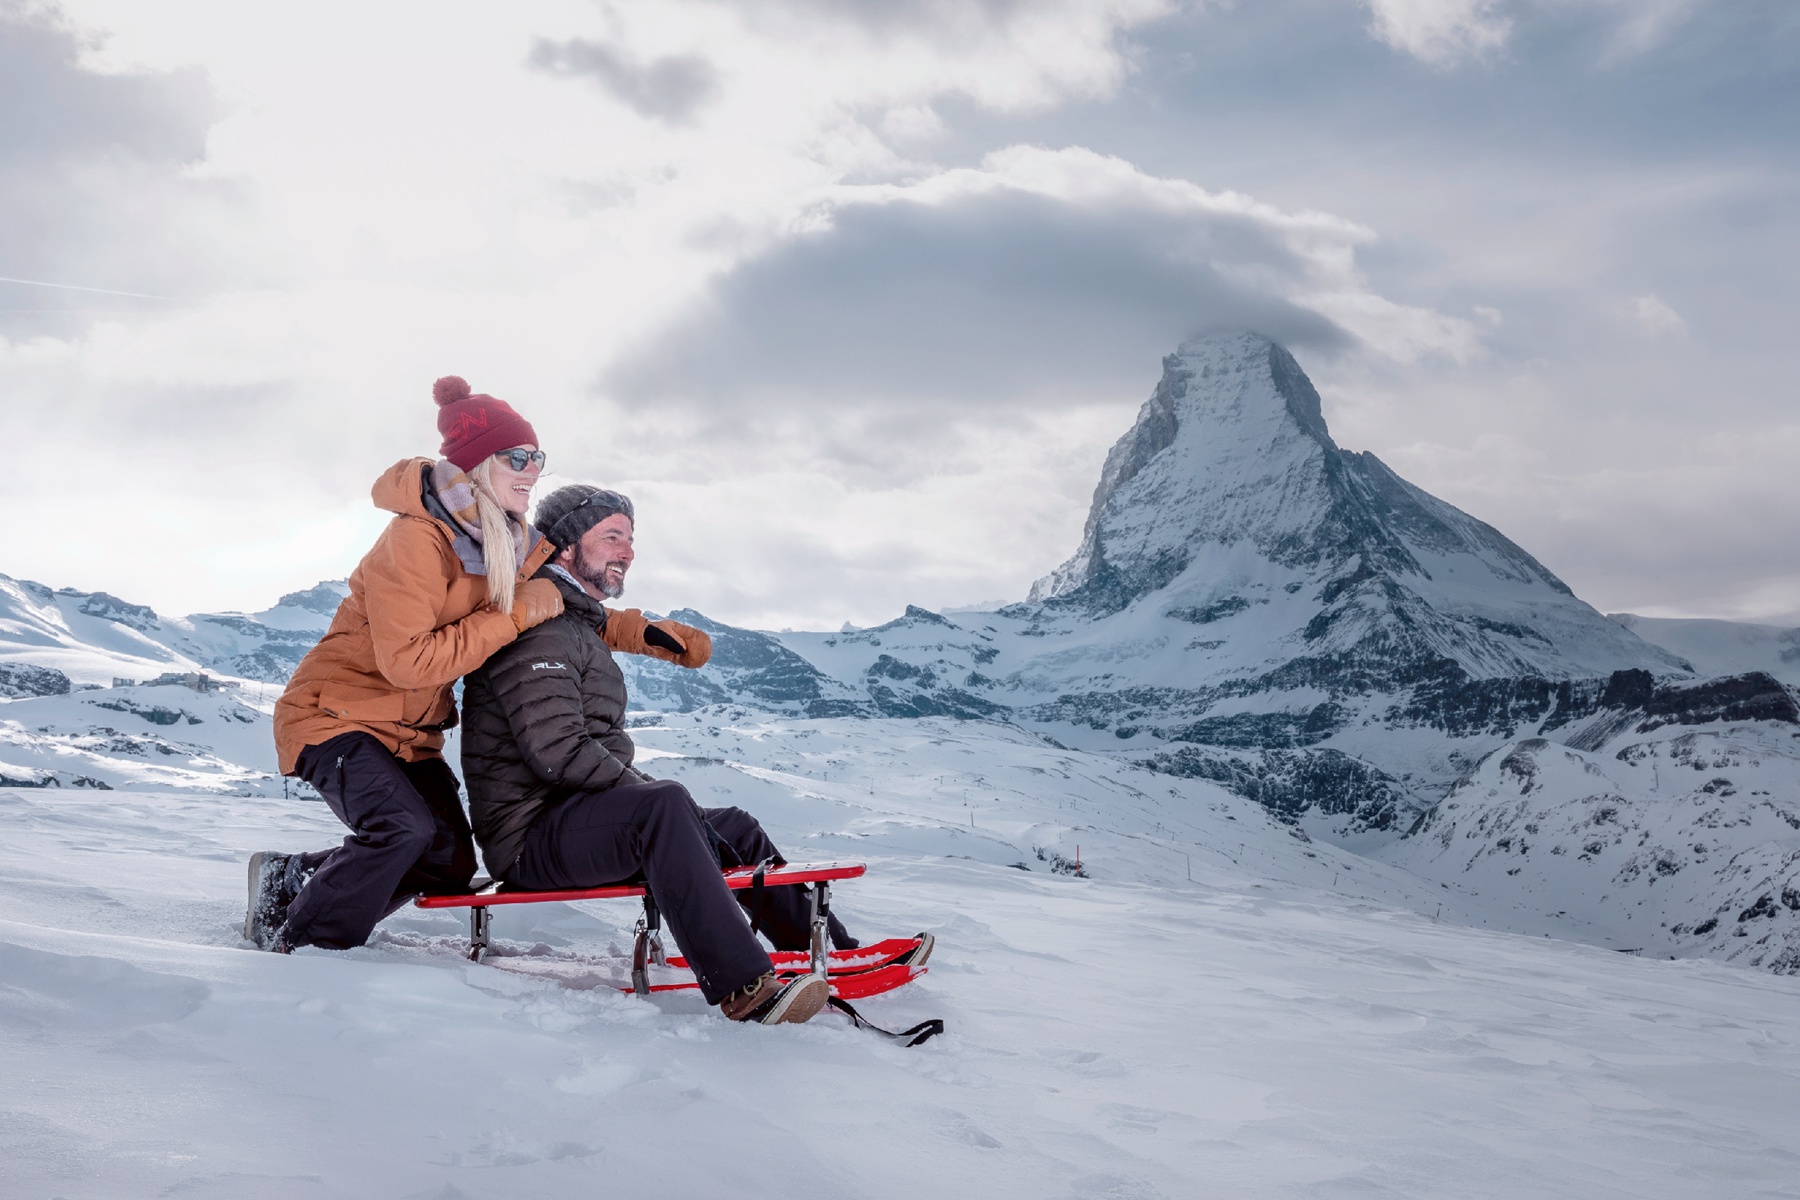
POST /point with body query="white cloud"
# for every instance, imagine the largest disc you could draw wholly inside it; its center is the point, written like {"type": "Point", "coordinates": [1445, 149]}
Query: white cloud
{"type": "Point", "coordinates": [1654, 317]}
{"type": "Point", "coordinates": [1404, 333]}
{"type": "Point", "coordinates": [1040, 277]}
{"type": "Point", "coordinates": [912, 123]}
{"type": "Point", "coordinates": [1441, 32]}
{"type": "Point", "coordinates": [1642, 25]}
{"type": "Point", "coordinates": [100, 211]}
{"type": "Point", "coordinates": [1445, 33]}
{"type": "Point", "coordinates": [671, 89]}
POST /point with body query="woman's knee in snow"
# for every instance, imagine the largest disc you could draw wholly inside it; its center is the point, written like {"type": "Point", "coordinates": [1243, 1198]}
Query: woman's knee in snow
{"type": "Point", "coordinates": [404, 830]}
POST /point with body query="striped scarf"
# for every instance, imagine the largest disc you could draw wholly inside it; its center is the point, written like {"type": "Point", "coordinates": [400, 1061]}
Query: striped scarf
{"type": "Point", "coordinates": [456, 492]}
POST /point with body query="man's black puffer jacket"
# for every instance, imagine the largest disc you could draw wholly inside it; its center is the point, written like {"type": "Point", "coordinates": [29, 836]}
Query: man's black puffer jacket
{"type": "Point", "coordinates": [543, 718]}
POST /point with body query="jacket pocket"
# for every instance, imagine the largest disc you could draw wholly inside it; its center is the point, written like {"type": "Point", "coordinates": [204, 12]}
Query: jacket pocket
{"type": "Point", "coordinates": [431, 709]}
{"type": "Point", "coordinates": [366, 707]}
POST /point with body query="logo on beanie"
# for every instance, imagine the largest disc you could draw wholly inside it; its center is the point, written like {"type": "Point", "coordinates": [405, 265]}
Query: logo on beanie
{"type": "Point", "coordinates": [466, 423]}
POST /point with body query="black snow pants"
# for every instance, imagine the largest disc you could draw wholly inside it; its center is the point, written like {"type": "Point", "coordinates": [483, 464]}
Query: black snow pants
{"type": "Point", "coordinates": [409, 837]}
{"type": "Point", "coordinates": [655, 832]}
{"type": "Point", "coordinates": [783, 914]}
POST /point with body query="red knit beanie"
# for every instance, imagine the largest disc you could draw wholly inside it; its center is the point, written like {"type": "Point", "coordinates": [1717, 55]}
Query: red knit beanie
{"type": "Point", "coordinates": [475, 426]}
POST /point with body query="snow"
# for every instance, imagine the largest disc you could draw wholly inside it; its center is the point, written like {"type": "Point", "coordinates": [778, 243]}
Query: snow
{"type": "Point", "coordinates": [1292, 1023]}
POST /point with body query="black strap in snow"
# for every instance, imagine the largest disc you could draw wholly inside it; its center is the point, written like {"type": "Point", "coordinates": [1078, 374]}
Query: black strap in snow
{"type": "Point", "coordinates": [919, 1034]}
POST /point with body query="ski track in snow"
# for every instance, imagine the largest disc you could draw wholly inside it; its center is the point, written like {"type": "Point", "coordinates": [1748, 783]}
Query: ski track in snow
{"type": "Point", "coordinates": [1266, 1030]}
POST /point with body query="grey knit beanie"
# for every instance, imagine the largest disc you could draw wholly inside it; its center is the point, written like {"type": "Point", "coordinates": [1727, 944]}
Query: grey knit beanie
{"type": "Point", "coordinates": [570, 511]}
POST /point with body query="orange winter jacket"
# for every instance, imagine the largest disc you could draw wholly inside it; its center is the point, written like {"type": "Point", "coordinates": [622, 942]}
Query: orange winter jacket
{"type": "Point", "coordinates": [415, 622]}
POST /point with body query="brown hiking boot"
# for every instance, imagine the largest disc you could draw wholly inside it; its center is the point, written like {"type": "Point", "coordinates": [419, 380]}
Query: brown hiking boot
{"type": "Point", "coordinates": [768, 1001]}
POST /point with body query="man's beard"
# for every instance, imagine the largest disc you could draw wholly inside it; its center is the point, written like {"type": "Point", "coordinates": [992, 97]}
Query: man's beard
{"type": "Point", "coordinates": [596, 575]}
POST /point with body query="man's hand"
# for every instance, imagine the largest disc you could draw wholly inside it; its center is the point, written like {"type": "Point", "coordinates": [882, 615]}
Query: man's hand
{"type": "Point", "coordinates": [628, 630]}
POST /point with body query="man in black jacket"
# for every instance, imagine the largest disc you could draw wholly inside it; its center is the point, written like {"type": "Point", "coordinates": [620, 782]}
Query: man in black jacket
{"type": "Point", "coordinates": [556, 802]}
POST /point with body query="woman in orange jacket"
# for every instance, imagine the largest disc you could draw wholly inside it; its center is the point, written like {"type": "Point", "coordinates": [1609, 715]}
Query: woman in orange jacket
{"type": "Point", "coordinates": [448, 582]}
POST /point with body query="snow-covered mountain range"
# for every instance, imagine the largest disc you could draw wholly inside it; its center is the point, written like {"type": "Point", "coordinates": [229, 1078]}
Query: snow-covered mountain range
{"type": "Point", "coordinates": [1684, 841]}
{"type": "Point", "coordinates": [53, 639]}
{"type": "Point", "coordinates": [102, 693]}
{"type": "Point", "coordinates": [1249, 604]}
{"type": "Point", "coordinates": [1252, 611]}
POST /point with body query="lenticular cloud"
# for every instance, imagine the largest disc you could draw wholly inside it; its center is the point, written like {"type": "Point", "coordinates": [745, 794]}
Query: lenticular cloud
{"type": "Point", "coordinates": [1037, 277]}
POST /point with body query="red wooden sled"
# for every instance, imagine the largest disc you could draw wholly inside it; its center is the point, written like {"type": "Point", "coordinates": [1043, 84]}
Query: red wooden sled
{"type": "Point", "coordinates": [648, 948]}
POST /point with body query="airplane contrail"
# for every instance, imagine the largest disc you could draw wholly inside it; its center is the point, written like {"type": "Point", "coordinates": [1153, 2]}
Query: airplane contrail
{"type": "Point", "coordinates": [72, 287]}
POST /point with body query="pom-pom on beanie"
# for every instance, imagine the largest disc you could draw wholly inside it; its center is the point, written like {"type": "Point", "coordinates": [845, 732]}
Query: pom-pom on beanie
{"type": "Point", "coordinates": [475, 426]}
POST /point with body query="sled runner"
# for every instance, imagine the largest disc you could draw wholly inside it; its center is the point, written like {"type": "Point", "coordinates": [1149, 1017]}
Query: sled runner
{"type": "Point", "coordinates": [649, 948]}
{"type": "Point", "coordinates": [865, 971]}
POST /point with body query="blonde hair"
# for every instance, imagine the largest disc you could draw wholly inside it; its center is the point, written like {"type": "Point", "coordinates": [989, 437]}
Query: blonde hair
{"type": "Point", "coordinates": [497, 550]}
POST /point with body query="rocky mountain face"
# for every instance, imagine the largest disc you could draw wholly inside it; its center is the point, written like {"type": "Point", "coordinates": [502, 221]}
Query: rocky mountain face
{"type": "Point", "coordinates": [19, 680]}
{"type": "Point", "coordinates": [747, 668]}
{"type": "Point", "coordinates": [1669, 839]}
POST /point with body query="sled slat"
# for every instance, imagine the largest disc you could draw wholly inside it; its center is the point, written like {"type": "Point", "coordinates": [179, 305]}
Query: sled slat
{"type": "Point", "coordinates": [735, 878]}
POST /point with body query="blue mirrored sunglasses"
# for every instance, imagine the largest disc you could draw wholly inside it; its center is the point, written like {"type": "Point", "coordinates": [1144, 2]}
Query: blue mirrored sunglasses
{"type": "Point", "coordinates": [516, 458]}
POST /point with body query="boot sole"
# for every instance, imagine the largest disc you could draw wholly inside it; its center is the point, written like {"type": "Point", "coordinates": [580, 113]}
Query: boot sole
{"type": "Point", "coordinates": [917, 956]}
{"type": "Point", "coordinates": [799, 1001]}
{"type": "Point", "coordinates": [256, 863]}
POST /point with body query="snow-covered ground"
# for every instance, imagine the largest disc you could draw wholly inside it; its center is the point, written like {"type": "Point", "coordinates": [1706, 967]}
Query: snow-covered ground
{"type": "Point", "coordinates": [1292, 1022]}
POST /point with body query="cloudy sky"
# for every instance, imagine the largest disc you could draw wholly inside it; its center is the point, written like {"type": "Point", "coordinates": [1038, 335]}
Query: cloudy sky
{"type": "Point", "coordinates": [853, 295]}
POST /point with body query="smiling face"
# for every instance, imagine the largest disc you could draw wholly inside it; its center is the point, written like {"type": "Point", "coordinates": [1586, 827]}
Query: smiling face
{"type": "Point", "coordinates": [602, 556]}
{"type": "Point", "coordinates": [513, 488]}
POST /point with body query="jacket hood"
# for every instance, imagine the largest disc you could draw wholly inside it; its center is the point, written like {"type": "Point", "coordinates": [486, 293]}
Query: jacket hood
{"type": "Point", "coordinates": [400, 488]}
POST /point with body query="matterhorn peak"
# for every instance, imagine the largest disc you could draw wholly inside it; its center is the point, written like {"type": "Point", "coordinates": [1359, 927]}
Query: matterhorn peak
{"type": "Point", "coordinates": [1232, 444]}
{"type": "Point", "coordinates": [1229, 490]}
